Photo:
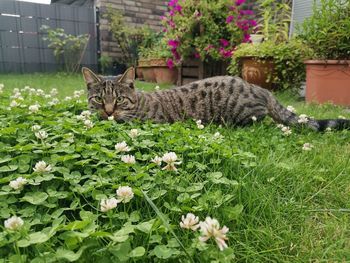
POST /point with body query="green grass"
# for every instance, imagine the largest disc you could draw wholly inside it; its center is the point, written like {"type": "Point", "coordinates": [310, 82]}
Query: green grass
{"type": "Point", "coordinates": [282, 204]}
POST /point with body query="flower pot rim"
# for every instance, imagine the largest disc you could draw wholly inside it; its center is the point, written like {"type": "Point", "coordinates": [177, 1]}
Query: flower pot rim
{"type": "Point", "coordinates": [256, 57]}
{"type": "Point", "coordinates": [327, 62]}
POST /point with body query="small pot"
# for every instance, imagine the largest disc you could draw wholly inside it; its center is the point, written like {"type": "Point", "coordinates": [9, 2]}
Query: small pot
{"type": "Point", "coordinates": [256, 38]}
{"type": "Point", "coordinates": [328, 81]}
{"type": "Point", "coordinates": [257, 71]}
{"type": "Point", "coordinates": [165, 75]}
{"type": "Point", "coordinates": [148, 74]}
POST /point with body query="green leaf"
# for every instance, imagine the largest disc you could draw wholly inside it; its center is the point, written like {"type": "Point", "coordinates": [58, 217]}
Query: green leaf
{"type": "Point", "coordinates": [163, 252]}
{"type": "Point", "coordinates": [34, 238]}
{"type": "Point", "coordinates": [146, 226]}
{"type": "Point", "coordinates": [69, 255]}
{"type": "Point", "coordinates": [137, 252]}
{"type": "Point", "coordinates": [8, 168]}
{"type": "Point", "coordinates": [35, 198]}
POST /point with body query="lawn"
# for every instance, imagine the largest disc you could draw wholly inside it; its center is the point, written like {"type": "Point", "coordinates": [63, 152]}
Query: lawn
{"type": "Point", "coordinates": [281, 203]}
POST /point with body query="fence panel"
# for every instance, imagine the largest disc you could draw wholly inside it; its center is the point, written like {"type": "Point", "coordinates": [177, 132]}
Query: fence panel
{"type": "Point", "coordinates": [22, 48]}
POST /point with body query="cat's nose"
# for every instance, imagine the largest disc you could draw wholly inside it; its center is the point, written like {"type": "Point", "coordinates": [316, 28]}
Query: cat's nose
{"type": "Point", "coordinates": [109, 109]}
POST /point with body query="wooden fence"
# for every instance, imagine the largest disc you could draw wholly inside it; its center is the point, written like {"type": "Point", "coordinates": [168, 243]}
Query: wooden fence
{"type": "Point", "coordinates": [22, 48]}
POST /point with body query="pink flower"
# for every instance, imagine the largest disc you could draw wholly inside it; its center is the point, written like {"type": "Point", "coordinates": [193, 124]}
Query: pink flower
{"type": "Point", "coordinates": [196, 55]}
{"type": "Point", "coordinates": [239, 2]}
{"type": "Point", "coordinates": [173, 2]}
{"type": "Point", "coordinates": [170, 63]}
{"type": "Point", "coordinates": [224, 42]}
{"type": "Point", "coordinates": [229, 19]}
{"type": "Point", "coordinates": [253, 23]}
{"type": "Point", "coordinates": [246, 12]}
{"type": "Point", "coordinates": [173, 43]}
{"type": "Point", "coordinates": [246, 38]}
{"type": "Point", "coordinates": [175, 54]}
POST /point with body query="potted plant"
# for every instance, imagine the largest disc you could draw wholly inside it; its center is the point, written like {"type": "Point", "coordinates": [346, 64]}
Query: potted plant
{"type": "Point", "coordinates": [257, 60]}
{"type": "Point", "coordinates": [153, 64]}
{"type": "Point", "coordinates": [271, 65]}
{"type": "Point", "coordinates": [327, 33]}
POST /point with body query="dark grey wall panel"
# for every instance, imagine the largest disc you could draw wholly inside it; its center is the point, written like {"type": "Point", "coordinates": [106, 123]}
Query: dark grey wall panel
{"type": "Point", "coordinates": [22, 48]}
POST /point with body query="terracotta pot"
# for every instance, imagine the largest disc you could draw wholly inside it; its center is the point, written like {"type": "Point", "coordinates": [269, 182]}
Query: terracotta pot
{"type": "Point", "coordinates": [165, 75]}
{"type": "Point", "coordinates": [148, 74]}
{"type": "Point", "coordinates": [258, 71]}
{"type": "Point", "coordinates": [328, 81]}
{"type": "Point", "coordinates": [139, 73]}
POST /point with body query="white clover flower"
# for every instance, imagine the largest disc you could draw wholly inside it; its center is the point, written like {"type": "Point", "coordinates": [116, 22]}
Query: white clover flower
{"type": "Point", "coordinates": [303, 118]}
{"type": "Point", "coordinates": [15, 90]}
{"type": "Point", "coordinates": [54, 92]}
{"type": "Point", "coordinates": [189, 222]}
{"type": "Point", "coordinates": [39, 92]}
{"type": "Point", "coordinates": [328, 129]}
{"type": "Point", "coordinates": [254, 118]}
{"type": "Point", "coordinates": [307, 146]}
{"type": "Point", "coordinates": [157, 87]}
{"type": "Point", "coordinates": [54, 101]}
{"type": "Point", "coordinates": [16, 95]}
{"type": "Point", "coordinates": [34, 108]}
{"type": "Point", "coordinates": [210, 228]}
{"type": "Point", "coordinates": [32, 91]}
{"type": "Point", "coordinates": [88, 124]}
{"type": "Point", "coordinates": [2, 85]}
{"type": "Point", "coordinates": [47, 96]}
{"type": "Point", "coordinates": [68, 98]}
{"type": "Point", "coordinates": [42, 167]}
{"type": "Point", "coordinates": [341, 117]}
{"type": "Point", "coordinates": [125, 194]}
{"type": "Point", "coordinates": [108, 204]}
{"type": "Point", "coordinates": [157, 160]}
{"type": "Point", "coordinates": [86, 113]}
{"type": "Point", "coordinates": [41, 134]}
{"type": "Point", "coordinates": [13, 223]}
{"type": "Point", "coordinates": [18, 183]}
{"type": "Point", "coordinates": [14, 104]}
{"type": "Point", "coordinates": [26, 88]}
{"type": "Point", "coordinates": [199, 124]}
{"type": "Point", "coordinates": [291, 108]}
{"type": "Point", "coordinates": [170, 158]}
{"type": "Point", "coordinates": [36, 128]}
{"type": "Point", "coordinates": [128, 159]}
{"type": "Point", "coordinates": [286, 130]}
{"type": "Point", "coordinates": [122, 147]}
{"type": "Point", "coordinates": [111, 118]}
{"type": "Point", "coordinates": [280, 126]}
{"type": "Point", "coordinates": [133, 133]}
{"type": "Point", "coordinates": [217, 136]}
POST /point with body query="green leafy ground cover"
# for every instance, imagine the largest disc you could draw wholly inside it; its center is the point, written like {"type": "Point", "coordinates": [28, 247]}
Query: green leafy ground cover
{"type": "Point", "coordinates": [281, 203]}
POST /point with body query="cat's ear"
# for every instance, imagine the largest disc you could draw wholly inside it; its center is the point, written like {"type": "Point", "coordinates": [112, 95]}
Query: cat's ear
{"type": "Point", "coordinates": [128, 76]}
{"type": "Point", "coordinates": [89, 76]}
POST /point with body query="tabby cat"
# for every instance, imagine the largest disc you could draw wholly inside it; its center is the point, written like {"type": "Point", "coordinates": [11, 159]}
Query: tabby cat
{"type": "Point", "coordinates": [223, 100]}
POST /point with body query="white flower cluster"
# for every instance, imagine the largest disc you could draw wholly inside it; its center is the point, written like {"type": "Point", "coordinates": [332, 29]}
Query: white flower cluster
{"type": "Point", "coordinates": [2, 88]}
{"type": "Point", "coordinates": [18, 183]}
{"type": "Point", "coordinates": [291, 108]}
{"type": "Point", "coordinates": [13, 223]}
{"type": "Point", "coordinates": [34, 108]}
{"type": "Point", "coordinates": [42, 167]}
{"type": "Point", "coordinates": [133, 133]}
{"type": "Point", "coordinates": [78, 93]}
{"type": "Point", "coordinates": [124, 195]}
{"type": "Point", "coordinates": [303, 118]}
{"type": "Point", "coordinates": [254, 118]}
{"type": "Point", "coordinates": [170, 159]}
{"type": "Point", "coordinates": [307, 146]}
{"type": "Point", "coordinates": [285, 129]}
{"type": "Point", "coordinates": [122, 147]}
{"type": "Point", "coordinates": [210, 228]}
{"type": "Point", "coordinates": [199, 124]}
{"type": "Point", "coordinates": [85, 117]}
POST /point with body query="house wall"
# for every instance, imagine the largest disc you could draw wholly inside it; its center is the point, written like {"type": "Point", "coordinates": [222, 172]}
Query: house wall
{"type": "Point", "coordinates": [301, 10]}
{"type": "Point", "coordinates": [136, 13]}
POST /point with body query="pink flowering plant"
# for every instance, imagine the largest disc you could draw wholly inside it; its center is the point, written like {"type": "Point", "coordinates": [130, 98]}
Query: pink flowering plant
{"type": "Point", "coordinates": [202, 29]}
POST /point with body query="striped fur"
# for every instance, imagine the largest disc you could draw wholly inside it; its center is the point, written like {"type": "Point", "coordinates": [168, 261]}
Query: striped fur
{"type": "Point", "coordinates": [222, 100]}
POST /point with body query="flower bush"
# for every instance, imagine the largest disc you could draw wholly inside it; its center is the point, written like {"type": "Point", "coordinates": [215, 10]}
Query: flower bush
{"type": "Point", "coordinates": [203, 29]}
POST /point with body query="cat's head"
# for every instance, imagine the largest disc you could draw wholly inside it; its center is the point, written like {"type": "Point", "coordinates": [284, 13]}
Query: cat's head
{"type": "Point", "coordinates": [111, 96]}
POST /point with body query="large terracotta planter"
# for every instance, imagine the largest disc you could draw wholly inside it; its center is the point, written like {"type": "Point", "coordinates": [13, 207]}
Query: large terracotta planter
{"type": "Point", "coordinates": [257, 71]}
{"type": "Point", "coordinates": [328, 81]}
{"type": "Point", "coordinates": [156, 70]}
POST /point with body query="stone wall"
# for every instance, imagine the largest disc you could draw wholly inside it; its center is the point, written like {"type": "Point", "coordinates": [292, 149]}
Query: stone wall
{"type": "Point", "coordinates": [136, 13]}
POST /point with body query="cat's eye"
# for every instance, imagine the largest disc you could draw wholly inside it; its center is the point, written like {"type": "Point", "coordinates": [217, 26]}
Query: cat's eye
{"type": "Point", "coordinates": [98, 99]}
{"type": "Point", "coordinates": [120, 99]}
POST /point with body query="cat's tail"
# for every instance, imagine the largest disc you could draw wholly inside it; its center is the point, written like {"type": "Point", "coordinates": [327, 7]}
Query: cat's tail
{"type": "Point", "coordinates": [282, 115]}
